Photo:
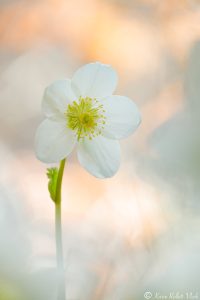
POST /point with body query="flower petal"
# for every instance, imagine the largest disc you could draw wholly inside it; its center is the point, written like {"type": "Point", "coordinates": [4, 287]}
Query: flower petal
{"type": "Point", "coordinates": [53, 141]}
{"type": "Point", "coordinates": [122, 117]}
{"type": "Point", "coordinates": [94, 80]}
{"type": "Point", "coordinates": [56, 98]}
{"type": "Point", "coordinates": [100, 156]}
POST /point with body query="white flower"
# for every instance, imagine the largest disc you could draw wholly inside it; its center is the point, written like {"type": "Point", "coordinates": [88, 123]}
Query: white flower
{"type": "Point", "coordinates": [83, 112]}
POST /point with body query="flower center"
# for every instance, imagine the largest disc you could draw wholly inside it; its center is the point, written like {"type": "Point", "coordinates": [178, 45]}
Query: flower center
{"type": "Point", "coordinates": [86, 117]}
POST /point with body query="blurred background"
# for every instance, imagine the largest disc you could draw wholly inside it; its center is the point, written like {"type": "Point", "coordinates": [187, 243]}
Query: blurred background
{"type": "Point", "coordinates": [137, 232]}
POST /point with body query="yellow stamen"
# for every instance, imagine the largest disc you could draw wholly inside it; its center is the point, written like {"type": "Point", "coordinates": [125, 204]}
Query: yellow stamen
{"type": "Point", "coordinates": [85, 117]}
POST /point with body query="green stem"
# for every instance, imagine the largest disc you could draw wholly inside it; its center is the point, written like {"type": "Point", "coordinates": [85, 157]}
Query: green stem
{"type": "Point", "coordinates": [58, 234]}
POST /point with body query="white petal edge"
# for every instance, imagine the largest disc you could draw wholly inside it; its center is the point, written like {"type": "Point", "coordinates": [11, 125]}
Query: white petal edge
{"type": "Point", "coordinates": [94, 80]}
{"type": "Point", "coordinates": [53, 141]}
{"type": "Point", "coordinates": [100, 156]}
{"type": "Point", "coordinates": [56, 98]}
{"type": "Point", "coordinates": [122, 117]}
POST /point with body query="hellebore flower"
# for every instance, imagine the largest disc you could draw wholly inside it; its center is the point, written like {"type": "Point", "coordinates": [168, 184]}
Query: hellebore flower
{"type": "Point", "coordinates": [83, 112]}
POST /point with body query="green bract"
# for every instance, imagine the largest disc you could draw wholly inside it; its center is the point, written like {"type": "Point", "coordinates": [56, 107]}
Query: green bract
{"type": "Point", "coordinates": [52, 174]}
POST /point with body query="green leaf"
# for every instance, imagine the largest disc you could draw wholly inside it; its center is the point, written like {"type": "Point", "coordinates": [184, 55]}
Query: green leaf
{"type": "Point", "coordinates": [52, 174]}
